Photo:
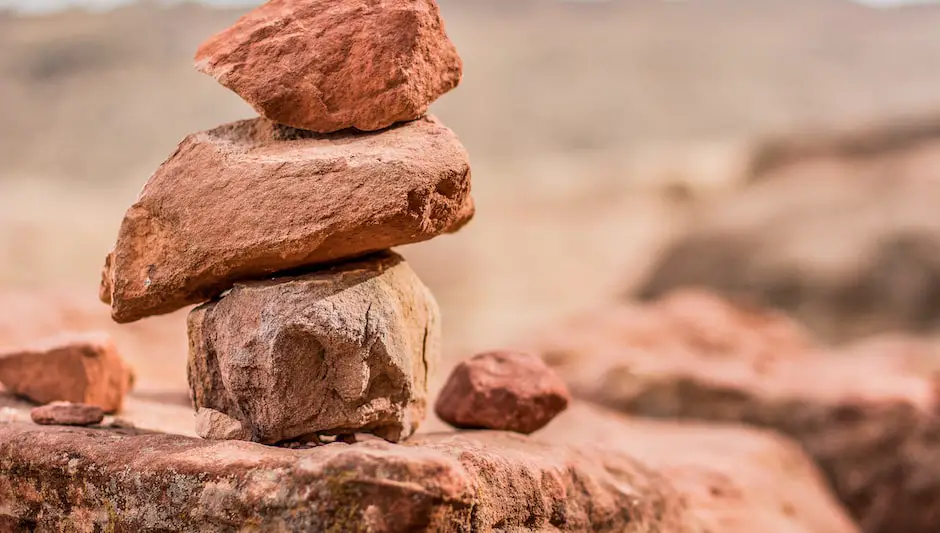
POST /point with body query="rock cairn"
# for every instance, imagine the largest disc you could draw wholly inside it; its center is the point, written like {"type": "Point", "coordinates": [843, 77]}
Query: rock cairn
{"type": "Point", "coordinates": [281, 225]}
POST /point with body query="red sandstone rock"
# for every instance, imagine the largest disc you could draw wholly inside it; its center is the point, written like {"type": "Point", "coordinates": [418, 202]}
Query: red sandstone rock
{"type": "Point", "coordinates": [124, 480]}
{"type": "Point", "coordinates": [336, 351]}
{"type": "Point", "coordinates": [249, 199]}
{"type": "Point", "coordinates": [72, 368]}
{"type": "Point", "coordinates": [502, 390]}
{"type": "Point", "coordinates": [589, 470]}
{"type": "Point", "coordinates": [67, 414]}
{"type": "Point", "coordinates": [327, 65]}
{"type": "Point", "coordinates": [735, 479]}
{"type": "Point", "coordinates": [867, 414]}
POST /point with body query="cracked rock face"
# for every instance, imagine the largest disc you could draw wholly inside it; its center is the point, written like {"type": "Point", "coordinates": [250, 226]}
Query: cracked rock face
{"type": "Point", "coordinates": [328, 65]}
{"type": "Point", "coordinates": [342, 350]}
{"type": "Point", "coordinates": [252, 198]}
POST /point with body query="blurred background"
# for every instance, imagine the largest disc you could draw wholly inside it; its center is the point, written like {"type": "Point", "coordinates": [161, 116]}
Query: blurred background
{"type": "Point", "coordinates": [785, 152]}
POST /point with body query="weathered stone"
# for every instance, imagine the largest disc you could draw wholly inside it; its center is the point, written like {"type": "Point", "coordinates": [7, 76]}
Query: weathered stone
{"type": "Point", "coordinates": [144, 414]}
{"type": "Point", "coordinates": [73, 368]}
{"type": "Point", "coordinates": [342, 350]}
{"type": "Point", "coordinates": [249, 199]}
{"type": "Point", "coordinates": [590, 470]}
{"type": "Point", "coordinates": [125, 480]}
{"type": "Point", "coordinates": [213, 425]}
{"type": "Point", "coordinates": [67, 414]}
{"type": "Point", "coordinates": [867, 414]}
{"type": "Point", "coordinates": [327, 65]}
{"type": "Point", "coordinates": [503, 390]}
{"type": "Point", "coordinates": [735, 479]}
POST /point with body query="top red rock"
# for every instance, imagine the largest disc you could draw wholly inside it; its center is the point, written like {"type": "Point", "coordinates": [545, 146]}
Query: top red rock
{"type": "Point", "coordinates": [327, 65]}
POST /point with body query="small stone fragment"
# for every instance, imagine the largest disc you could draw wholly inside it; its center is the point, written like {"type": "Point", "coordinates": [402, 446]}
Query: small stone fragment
{"type": "Point", "coordinates": [73, 368]}
{"type": "Point", "coordinates": [213, 425]}
{"type": "Point", "coordinates": [251, 199]}
{"type": "Point", "coordinates": [328, 65]}
{"type": "Point", "coordinates": [67, 414]}
{"type": "Point", "coordinates": [336, 351]}
{"type": "Point", "coordinates": [504, 390]}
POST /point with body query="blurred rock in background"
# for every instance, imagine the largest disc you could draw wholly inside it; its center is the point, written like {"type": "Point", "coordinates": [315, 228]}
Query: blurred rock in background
{"type": "Point", "coordinates": [840, 230]}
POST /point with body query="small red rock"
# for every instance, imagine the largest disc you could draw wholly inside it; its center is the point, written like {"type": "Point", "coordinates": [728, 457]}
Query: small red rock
{"type": "Point", "coordinates": [67, 414]}
{"type": "Point", "coordinates": [83, 368]}
{"type": "Point", "coordinates": [328, 65]}
{"type": "Point", "coordinates": [502, 390]}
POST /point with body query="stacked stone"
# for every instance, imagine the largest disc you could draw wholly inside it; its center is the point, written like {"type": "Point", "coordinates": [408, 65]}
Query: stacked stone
{"type": "Point", "coordinates": [283, 223]}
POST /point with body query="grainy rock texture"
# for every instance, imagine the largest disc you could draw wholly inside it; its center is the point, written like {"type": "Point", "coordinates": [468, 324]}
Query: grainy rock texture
{"type": "Point", "coordinates": [589, 470]}
{"type": "Point", "coordinates": [504, 390]}
{"type": "Point", "coordinates": [866, 413]}
{"type": "Point", "coordinates": [122, 480]}
{"type": "Point", "coordinates": [735, 479]}
{"type": "Point", "coordinates": [327, 65]}
{"type": "Point", "coordinates": [342, 350]}
{"type": "Point", "coordinates": [76, 368]}
{"type": "Point", "coordinates": [67, 414]}
{"type": "Point", "coordinates": [252, 198]}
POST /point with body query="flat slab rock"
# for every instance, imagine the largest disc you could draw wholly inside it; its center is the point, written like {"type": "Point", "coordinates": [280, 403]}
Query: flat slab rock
{"type": "Point", "coordinates": [867, 413]}
{"type": "Point", "coordinates": [67, 414]}
{"type": "Point", "coordinates": [589, 471]}
{"type": "Point", "coordinates": [80, 368]}
{"type": "Point", "coordinates": [328, 65]}
{"type": "Point", "coordinates": [252, 198]}
{"type": "Point", "coordinates": [342, 350]}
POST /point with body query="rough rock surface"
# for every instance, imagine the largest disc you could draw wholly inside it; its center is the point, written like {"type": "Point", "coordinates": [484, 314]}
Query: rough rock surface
{"type": "Point", "coordinates": [503, 390]}
{"type": "Point", "coordinates": [83, 368]}
{"type": "Point", "coordinates": [342, 350]}
{"type": "Point", "coordinates": [327, 65]}
{"type": "Point", "coordinates": [735, 479]}
{"type": "Point", "coordinates": [67, 414]}
{"type": "Point", "coordinates": [125, 480]}
{"type": "Point", "coordinates": [866, 413]}
{"type": "Point", "coordinates": [251, 198]}
{"type": "Point", "coordinates": [850, 252]}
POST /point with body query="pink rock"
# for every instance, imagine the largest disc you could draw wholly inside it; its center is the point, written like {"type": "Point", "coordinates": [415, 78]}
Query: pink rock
{"type": "Point", "coordinates": [328, 65]}
{"type": "Point", "coordinates": [73, 368]}
{"type": "Point", "coordinates": [502, 390]}
{"type": "Point", "coordinates": [67, 414]}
